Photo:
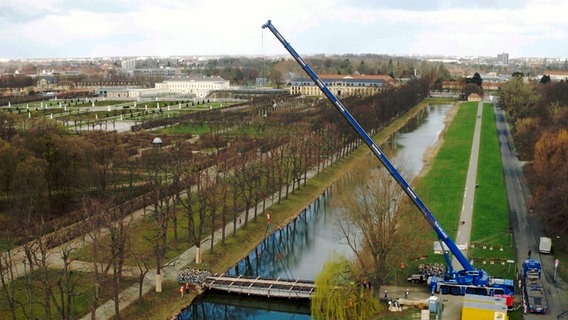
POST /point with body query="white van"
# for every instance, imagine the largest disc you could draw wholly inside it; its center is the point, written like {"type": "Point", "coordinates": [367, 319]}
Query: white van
{"type": "Point", "coordinates": [545, 245]}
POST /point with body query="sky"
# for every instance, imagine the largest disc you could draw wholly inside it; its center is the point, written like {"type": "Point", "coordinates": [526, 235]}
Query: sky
{"type": "Point", "coordinates": [109, 28]}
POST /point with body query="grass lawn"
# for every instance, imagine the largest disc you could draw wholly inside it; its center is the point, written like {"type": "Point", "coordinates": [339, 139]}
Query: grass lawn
{"type": "Point", "coordinates": [193, 128]}
{"type": "Point", "coordinates": [441, 189]}
{"type": "Point", "coordinates": [491, 212]}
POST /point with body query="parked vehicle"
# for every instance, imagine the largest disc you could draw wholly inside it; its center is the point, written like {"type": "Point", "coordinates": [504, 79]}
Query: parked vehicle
{"type": "Point", "coordinates": [533, 290]}
{"type": "Point", "coordinates": [545, 245]}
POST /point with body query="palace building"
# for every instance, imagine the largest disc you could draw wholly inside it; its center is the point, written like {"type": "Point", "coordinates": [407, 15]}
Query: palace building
{"type": "Point", "coordinates": [342, 85]}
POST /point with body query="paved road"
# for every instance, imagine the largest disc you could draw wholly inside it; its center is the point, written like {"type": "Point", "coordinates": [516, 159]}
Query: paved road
{"type": "Point", "coordinates": [464, 229]}
{"type": "Point", "coordinates": [525, 226]}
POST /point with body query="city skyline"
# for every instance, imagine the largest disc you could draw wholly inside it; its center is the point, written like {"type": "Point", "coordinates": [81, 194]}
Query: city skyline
{"type": "Point", "coordinates": [78, 29]}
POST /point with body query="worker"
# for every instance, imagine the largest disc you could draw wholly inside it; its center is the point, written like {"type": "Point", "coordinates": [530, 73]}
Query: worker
{"type": "Point", "coordinates": [402, 267]}
{"type": "Point", "coordinates": [268, 217]}
{"type": "Point", "coordinates": [406, 294]}
{"type": "Point", "coordinates": [529, 253]}
{"type": "Point", "coordinates": [181, 290]}
{"type": "Point", "coordinates": [386, 297]}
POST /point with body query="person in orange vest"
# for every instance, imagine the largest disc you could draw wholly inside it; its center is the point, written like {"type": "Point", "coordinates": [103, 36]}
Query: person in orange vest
{"type": "Point", "coordinates": [268, 217]}
{"type": "Point", "coordinates": [402, 267]}
{"type": "Point", "coordinates": [181, 289]}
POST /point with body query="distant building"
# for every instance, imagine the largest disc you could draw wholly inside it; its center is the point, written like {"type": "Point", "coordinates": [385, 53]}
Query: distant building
{"type": "Point", "coordinates": [112, 93]}
{"type": "Point", "coordinates": [474, 97]}
{"type": "Point", "coordinates": [342, 85]}
{"type": "Point", "coordinates": [128, 65]}
{"type": "Point", "coordinates": [158, 72]}
{"type": "Point", "coordinates": [46, 83]}
{"type": "Point", "coordinates": [199, 87]}
{"type": "Point", "coordinates": [503, 58]}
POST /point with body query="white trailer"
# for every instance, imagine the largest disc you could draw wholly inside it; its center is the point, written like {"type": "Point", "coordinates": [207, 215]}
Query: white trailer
{"type": "Point", "coordinates": [545, 245]}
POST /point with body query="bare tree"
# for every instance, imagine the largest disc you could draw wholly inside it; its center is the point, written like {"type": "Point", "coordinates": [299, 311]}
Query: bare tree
{"type": "Point", "coordinates": [6, 278]}
{"type": "Point", "coordinates": [93, 230]}
{"type": "Point", "coordinates": [180, 156]}
{"type": "Point", "coordinates": [197, 209]}
{"type": "Point", "coordinates": [117, 222]}
{"type": "Point", "coordinates": [143, 269]}
{"type": "Point", "coordinates": [42, 259]}
{"type": "Point", "coordinates": [161, 201]}
{"type": "Point", "coordinates": [67, 283]}
{"type": "Point", "coordinates": [368, 200]}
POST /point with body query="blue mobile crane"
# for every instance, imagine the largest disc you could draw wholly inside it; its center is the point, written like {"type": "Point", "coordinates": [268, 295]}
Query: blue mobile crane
{"type": "Point", "coordinates": [467, 281]}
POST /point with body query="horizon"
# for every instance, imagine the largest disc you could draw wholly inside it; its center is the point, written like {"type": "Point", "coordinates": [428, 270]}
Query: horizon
{"type": "Point", "coordinates": [273, 56]}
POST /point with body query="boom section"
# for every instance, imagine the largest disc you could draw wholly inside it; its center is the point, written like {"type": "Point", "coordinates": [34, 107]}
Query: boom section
{"type": "Point", "coordinates": [376, 151]}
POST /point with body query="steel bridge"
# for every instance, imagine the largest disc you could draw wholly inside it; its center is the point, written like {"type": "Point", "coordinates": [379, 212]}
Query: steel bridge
{"type": "Point", "coordinates": [281, 288]}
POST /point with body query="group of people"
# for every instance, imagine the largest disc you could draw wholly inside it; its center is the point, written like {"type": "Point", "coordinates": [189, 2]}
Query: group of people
{"type": "Point", "coordinates": [196, 276]}
{"type": "Point", "coordinates": [366, 284]}
{"type": "Point", "coordinates": [431, 269]}
{"type": "Point", "coordinates": [184, 289]}
{"type": "Point", "coordinates": [386, 296]}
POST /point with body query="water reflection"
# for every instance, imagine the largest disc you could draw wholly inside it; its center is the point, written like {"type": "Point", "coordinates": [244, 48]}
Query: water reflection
{"type": "Point", "coordinates": [217, 305]}
{"type": "Point", "coordinates": [299, 250]}
{"type": "Point", "coordinates": [420, 133]}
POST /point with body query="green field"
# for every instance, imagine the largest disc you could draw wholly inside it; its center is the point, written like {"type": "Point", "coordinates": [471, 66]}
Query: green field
{"type": "Point", "coordinates": [442, 187]}
{"type": "Point", "coordinates": [491, 212]}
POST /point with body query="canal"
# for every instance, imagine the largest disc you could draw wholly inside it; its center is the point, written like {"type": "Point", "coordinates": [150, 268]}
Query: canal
{"type": "Point", "coordinates": [300, 249]}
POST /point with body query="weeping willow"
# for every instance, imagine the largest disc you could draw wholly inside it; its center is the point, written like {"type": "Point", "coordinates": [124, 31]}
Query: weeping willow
{"type": "Point", "coordinates": [340, 294]}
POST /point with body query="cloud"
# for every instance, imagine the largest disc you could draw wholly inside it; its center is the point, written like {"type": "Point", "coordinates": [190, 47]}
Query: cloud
{"type": "Point", "coordinates": [201, 27]}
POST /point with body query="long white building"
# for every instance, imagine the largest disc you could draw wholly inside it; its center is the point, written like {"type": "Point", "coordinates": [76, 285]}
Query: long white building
{"type": "Point", "coordinates": [197, 86]}
{"type": "Point", "coordinates": [342, 85]}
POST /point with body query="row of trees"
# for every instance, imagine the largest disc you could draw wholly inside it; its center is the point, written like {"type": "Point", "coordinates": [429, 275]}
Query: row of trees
{"type": "Point", "coordinates": [191, 187]}
{"type": "Point", "coordinates": [539, 113]}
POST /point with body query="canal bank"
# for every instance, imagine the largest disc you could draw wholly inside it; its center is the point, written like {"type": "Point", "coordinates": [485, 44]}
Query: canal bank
{"type": "Point", "coordinates": [156, 306]}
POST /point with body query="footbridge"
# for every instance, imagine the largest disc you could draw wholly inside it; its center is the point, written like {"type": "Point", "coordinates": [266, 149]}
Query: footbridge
{"type": "Point", "coordinates": [264, 271]}
{"type": "Point", "coordinates": [281, 288]}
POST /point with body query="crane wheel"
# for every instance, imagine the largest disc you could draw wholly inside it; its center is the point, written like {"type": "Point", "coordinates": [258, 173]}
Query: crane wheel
{"type": "Point", "coordinates": [455, 291]}
{"type": "Point", "coordinates": [481, 292]}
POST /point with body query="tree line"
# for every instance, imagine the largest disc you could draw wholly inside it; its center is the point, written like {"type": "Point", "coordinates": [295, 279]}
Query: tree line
{"type": "Point", "coordinates": [538, 113]}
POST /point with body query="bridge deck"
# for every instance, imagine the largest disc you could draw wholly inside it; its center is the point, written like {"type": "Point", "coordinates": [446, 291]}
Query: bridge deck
{"type": "Point", "coordinates": [282, 288]}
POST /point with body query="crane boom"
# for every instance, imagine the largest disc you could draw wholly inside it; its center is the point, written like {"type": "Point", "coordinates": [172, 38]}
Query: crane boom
{"type": "Point", "coordinates": [442, 234]}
